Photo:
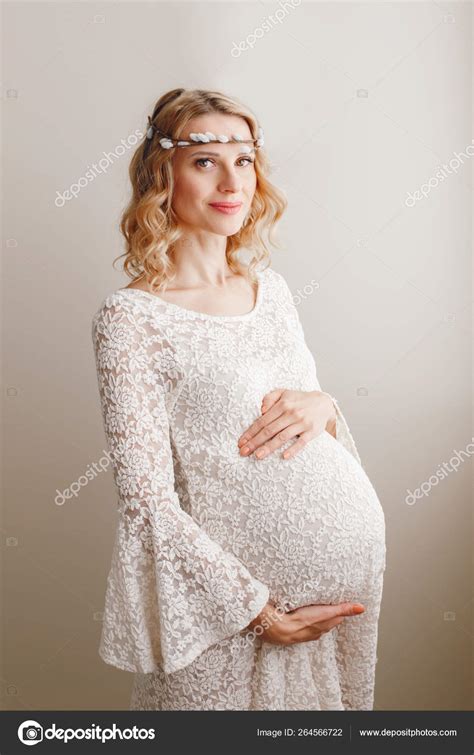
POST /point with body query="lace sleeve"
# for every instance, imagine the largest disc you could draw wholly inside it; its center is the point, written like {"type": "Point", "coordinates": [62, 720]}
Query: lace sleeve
{"type": "Point", "coordinates": [343, 433]}
{"type": "Point", "coordinates": [171, 590]}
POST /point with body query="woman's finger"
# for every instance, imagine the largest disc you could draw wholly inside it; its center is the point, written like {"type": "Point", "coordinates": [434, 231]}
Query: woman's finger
{"type": "Point", "coordinates": [319, 614]}
{"type": "Point", "coordinates": [288, 432]}
{"type": "Point", "coordinates": [303, 438]}
{"type": "Point", "coordinates": [330, 623]}
{"type": "Point", "coordinates": [270, 416]}
{"type": "Point", "coordinates": [268, 438]}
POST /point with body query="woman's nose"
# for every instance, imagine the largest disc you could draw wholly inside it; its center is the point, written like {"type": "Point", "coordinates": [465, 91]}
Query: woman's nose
{"type": "Point", "coordinates": [230, 181]}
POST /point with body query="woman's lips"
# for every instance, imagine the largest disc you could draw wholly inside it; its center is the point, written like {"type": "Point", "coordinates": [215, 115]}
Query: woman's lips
{"type": "Point", "coordinates": [227, 208]}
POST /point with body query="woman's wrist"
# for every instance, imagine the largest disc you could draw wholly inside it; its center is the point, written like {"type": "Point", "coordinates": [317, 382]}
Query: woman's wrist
{"type": "Point", "coordinates": [266, 614]}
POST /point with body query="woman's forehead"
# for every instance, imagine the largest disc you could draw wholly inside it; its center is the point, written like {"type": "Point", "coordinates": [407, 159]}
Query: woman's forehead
{"type": "Point", "coordinates": [218, 122]}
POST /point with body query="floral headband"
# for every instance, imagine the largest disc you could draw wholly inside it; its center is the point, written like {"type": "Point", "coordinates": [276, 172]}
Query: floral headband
{"type": "Point", "coordinates": [167, 141]}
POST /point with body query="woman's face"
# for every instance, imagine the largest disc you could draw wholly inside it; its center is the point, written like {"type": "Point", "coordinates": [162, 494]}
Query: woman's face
{"type": "Point", "coordinates": [208, 174]}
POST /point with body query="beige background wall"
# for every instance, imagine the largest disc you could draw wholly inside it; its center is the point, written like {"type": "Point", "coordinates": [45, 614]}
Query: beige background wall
{"type": "Point", "coordinates": [361, 104]}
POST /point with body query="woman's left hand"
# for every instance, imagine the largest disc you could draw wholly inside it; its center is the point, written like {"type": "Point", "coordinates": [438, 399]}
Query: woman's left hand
{"type": "Point", "coordinates": [287, 414]}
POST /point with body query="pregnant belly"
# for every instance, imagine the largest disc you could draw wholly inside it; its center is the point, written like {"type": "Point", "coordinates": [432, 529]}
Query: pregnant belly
{"type": "Point", "coordinates": [311, 527]}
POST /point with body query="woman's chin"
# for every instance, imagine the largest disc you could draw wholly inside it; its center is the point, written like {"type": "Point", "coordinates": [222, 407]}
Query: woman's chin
{"type": "Point", "coordinates": [227, 227]}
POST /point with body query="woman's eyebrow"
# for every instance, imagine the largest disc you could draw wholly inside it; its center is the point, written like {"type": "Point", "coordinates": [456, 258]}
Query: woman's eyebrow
{"type": "Point", "coordinates": [215, 154]}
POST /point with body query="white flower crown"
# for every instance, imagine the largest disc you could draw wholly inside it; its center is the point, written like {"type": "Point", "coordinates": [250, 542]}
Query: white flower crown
{"type": "Point", "coordinates": [167, 141]}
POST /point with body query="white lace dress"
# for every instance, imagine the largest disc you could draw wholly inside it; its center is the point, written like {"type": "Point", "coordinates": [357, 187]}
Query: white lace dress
{"type": "Point", "coordinates": [206, 536]}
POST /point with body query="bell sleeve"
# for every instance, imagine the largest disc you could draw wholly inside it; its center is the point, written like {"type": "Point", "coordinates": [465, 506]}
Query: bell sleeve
{"type": "Point", "coordinates": [171, 590]}
{"type": "Point", "coordinates": [343, 433]}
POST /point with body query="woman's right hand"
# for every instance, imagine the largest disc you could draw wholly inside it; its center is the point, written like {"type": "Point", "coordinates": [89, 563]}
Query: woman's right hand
{"type": "Point", "coordinates": [301, 624]}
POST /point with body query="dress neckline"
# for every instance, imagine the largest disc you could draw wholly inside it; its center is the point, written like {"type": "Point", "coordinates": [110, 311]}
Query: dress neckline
{"type": "Point", "coordinates": [204, 315]}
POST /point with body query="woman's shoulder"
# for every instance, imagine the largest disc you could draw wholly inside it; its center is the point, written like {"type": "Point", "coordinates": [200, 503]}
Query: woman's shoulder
{"type": "Point", "coordinates": [278, 282]}
{"type": "Point", "coordinates": [112, 302]}
{"type": "Point", "coordinates": [273, 275]}
{"type": "Point", "coordinates": [131, 307]}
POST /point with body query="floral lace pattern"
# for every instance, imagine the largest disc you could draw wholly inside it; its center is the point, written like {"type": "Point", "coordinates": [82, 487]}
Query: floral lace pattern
{"type": "Point", "coordinates": [205, 536]}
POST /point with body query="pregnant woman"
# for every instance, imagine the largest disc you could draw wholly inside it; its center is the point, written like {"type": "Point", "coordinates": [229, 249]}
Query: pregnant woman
{"type": "Point", "coordinates": [249, 556]}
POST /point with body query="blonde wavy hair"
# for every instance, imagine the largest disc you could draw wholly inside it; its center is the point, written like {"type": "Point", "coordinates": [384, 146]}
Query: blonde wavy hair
{"type": "Point", "coordinates": [149, 223]}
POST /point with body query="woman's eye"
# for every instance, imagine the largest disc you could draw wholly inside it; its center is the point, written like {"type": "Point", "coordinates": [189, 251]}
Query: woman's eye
{"type": "Point", "coordinates": [201, 160]}
{"type": "Point", "coordinates": [248, 160]}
